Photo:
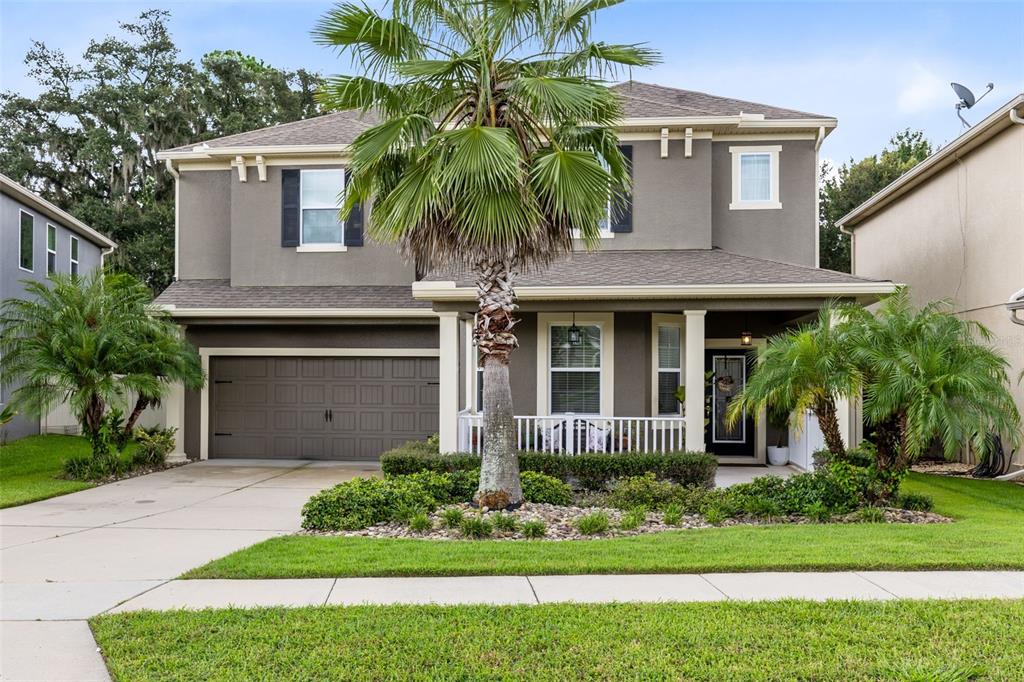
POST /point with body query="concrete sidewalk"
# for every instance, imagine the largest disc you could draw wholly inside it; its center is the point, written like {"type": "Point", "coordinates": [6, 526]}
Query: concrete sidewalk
{"type": "Point", "coordinates": [704, 587]}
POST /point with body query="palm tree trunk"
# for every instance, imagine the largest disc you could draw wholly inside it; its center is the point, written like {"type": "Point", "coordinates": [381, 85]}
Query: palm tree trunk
{"type": "Point", "coordinates": [140, 406]}
{"type": "Point", "coordinates": [825, 411]}
{"type": "Point", "coordinates": [499, 468]}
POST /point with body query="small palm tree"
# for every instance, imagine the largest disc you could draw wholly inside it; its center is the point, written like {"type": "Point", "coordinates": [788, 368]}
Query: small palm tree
{"type": "Point", "coordinates": [804, 368]}
{"type": "Point", "coordinates": [496, 147]}
{"type": "Point", "coordinates": [930, 376]}
{"type": "Point", "coordinates": [89, 342]}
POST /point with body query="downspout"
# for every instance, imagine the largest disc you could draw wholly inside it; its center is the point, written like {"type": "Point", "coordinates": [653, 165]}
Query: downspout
{"type": "Point", "coordinates": [817, 197]}
{"type": "Point", "coordinates": [177, 178]}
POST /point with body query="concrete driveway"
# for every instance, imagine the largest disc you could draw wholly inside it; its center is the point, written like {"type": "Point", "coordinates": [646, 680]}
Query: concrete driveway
{"type": "Point", "coordinates": [68, 558]}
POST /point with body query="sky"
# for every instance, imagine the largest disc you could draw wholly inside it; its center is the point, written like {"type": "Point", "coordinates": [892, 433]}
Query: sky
{"type": "Point", "coordinates": [878, 67]}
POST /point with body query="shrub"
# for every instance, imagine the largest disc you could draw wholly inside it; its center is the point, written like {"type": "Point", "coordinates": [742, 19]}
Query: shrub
{"type": "Point", "coordinates": [452, 517]}
{"type": "Point", "coordinates": [590, 471]}
{"type": "Point", "coordinates": [592, 524]}
{"type": "Point", "coordinates": [476, 526]}
{"type": "Point", "coordinates": [762, 507]}
{"type": "Point", "coordinates": [534, 529]}
{"type": "Point", "coordinates": [715, 514]}
{"type": "Point", "coordinates": [92, 468]}
{"type": "Point", "coordinates": [464, 483]}
{"type": "Point", "coordinates": [153, 447]}
{"type": "Point", "coordinates": [633, 519]}
{"type": "Point", "coordinates": [505, 523]}
{"type": "Point", "coordinates": [914, 502]}
{"type": "Point", "coordinates": [644, 491]}
{"type": "Point", "coordinates": [673, 515]}
{"type": "Point", "coordinates": [543, 489]}
{"type": "Point", "coordinates": [420, 523]}
{"type": "Point", "coordinates": [362, 502]}
{"type": "Point", "coordinates": [818, 512]}
{"type": "Point", "coordinates": [871, 515]}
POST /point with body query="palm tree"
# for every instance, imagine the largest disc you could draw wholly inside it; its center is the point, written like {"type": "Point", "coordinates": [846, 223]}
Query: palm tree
{"type": "Point", "coordinates": [496, 147]}
{"type": "Point", "coordinates": [804, 368]}
{"type": "Point", "coordinates": [930, 376]}
{"type": "Point", "coordinates": [89, 342]}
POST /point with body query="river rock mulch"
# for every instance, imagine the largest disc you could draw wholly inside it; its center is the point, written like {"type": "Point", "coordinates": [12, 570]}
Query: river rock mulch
{"type": "Point", "coordinates": [561, 523]}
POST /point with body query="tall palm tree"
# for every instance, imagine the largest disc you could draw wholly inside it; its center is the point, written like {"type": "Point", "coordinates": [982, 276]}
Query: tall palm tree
{"type": "Point", "coordinates": [496, 147]}
{"type": "Point", "coordinates": [930, 376]}
{"type": "Point", "coordinates": [805, 368]}
{"type": "Point", "coordinates": [89, 342]}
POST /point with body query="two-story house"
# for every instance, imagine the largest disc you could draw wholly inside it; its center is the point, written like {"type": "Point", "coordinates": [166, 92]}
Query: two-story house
{"type": "Point", "coordinates": [321, 344]}
{"type": "Point", "coordinates": [38, 239]}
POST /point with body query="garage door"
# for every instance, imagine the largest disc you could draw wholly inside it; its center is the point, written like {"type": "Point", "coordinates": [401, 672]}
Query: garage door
{"type": "Point", "coordinates": [320, 408]}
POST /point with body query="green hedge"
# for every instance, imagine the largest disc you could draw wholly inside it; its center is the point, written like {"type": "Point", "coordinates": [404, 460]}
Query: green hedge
{"type": "Point", "coordinates": [591, 471]}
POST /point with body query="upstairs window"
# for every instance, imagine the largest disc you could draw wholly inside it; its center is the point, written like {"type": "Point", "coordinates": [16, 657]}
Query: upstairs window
{"type": "Point", "coordinates": [755, 177]}
{"type": "Point", "coordinates": [51, 249]}
{"type": "Point", "coordinates": [319, 192]}
{"type": "Point", "coordinates": [26, 241]}
{"type": "Point", "coordinates": [74, 256]}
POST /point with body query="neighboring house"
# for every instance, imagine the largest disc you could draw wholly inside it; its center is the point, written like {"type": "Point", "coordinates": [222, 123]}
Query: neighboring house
{"type": "Point", "coordinates": [953, 228]}
{"type": "Point", "coordinates": [37, 239]}
{"type": "Point", "coordinates": [322, 344]}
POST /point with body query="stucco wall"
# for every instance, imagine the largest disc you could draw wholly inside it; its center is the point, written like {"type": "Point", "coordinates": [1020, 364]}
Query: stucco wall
{"type": "Point", "coordinates": [257, 257]}
{"type": "Point", "coordinates": [204, 224]}
{"type": "Point", "coordinates": [785, 234]}
{"type": "Point", "coordinates": [959, 236]}
{"type": "Point", "coordinates": [12, 276]}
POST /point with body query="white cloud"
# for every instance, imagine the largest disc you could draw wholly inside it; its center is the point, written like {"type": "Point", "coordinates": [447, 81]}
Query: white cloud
{"type": "Point", "coordinates": [923, 91]}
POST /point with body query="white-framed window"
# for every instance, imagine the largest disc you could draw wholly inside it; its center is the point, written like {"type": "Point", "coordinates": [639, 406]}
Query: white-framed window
{"type": "Point", "coordinates": [26, 241]}
{"type": "Point", "coordinates": [755, 177]}
{"type": "Point", "coordinates": [51, 249]}
{"type": "Point", "coordinates": [319, 192]}
{"type": "Point", "coordinates": [575, 367]}
{"type": "Point", "coordinates": [73, 256]}
{"type": "Point", "coordinates": [670, 368]}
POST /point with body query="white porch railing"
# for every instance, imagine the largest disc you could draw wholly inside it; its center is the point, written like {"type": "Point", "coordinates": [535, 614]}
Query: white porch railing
{"type": "Point", "coordinates": [574, 434]}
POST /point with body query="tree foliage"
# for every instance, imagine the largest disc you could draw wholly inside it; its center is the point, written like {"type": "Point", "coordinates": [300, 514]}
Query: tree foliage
{"type": "Point", "coordinates": [854, 183]}
{"type": "Point", "coordinates": [88, 141]}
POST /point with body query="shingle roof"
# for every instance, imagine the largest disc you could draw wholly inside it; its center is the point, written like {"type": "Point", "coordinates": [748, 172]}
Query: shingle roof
{"type": "Point", "coordinates": [218, 293]}
{"type": "Point", "coordinates": [665, 268]}
{"type": "Point", "coordinates": [645, 100]}
{"type": "Point", "coordinates": [340, 127]}
{"type": "Point", "coordinates": [640, 100]}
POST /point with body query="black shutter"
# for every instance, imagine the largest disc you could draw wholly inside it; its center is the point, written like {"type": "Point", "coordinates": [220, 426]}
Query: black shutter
{"type": "Point", "coordinates": [622, 206]}
{"type": "Point", "coordinates": [354, 224]}
{"type": "Point", "coordinates": [290, 207]}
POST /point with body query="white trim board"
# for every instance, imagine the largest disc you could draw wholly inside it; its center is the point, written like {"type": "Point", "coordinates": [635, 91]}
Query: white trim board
{"type": "Point", "coordinates": [299, 312]}
{"type": "Point", "coordinates": [737, 154]}
{"type": "Point", "coordinates": [206, 353]}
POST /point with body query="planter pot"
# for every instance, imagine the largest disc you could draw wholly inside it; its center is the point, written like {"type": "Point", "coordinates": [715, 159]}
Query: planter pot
{"type": "Point", "coordinates": [778, 456]}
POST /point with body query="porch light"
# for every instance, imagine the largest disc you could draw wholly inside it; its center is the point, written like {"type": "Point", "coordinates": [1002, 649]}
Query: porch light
{"type": "Point", "coordinates": [575, 333]}
{"type": "Point", "coordinates": [746, 338]}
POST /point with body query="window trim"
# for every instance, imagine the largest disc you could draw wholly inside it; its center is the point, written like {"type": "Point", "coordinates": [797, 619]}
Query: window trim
{"type": "Point", "coordinates": [666, 320]}
{"type": "Point", "coordinates": [21, 253]}
{"type": "Point", "coordinates": [318, 247]}
{"type": "Point", "coordinates": [606, 321]}
{"type": "Point", "coordinates": [737, 153]}
{"type": "Point", "coordinates": [49, 251]}
{"type": "Point", "coordinates": [73, 263]}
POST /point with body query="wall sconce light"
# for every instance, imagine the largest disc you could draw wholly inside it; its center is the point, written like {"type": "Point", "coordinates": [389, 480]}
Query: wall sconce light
{"type": "Point", "coordinates": [746, 338]}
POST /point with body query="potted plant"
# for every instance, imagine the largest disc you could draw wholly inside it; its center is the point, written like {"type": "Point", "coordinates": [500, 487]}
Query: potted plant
{"type": "Point", "coordinates": [778, 454]}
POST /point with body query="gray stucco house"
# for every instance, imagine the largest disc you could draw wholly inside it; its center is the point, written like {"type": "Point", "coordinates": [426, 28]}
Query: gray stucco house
{"type": "Point", "coordinates": [37, 239]}
{"type": "Point", "coordinates": [322, 344]}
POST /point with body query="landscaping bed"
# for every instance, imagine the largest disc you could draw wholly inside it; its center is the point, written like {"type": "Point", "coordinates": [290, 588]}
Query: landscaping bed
{"type": "Point", "coordinates": [781, 640]}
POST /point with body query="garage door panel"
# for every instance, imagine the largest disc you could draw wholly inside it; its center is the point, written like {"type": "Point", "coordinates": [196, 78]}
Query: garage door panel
{"type": "Point", "coordinates": [275, 407]}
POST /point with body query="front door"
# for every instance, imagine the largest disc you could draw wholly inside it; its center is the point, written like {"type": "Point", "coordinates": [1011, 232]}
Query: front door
{"type": "Point", "coordinates": [729, 370]}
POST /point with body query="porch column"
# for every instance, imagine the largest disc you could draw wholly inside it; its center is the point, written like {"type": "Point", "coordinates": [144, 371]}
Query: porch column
{"type": "Point", "coordinates": [174, 418]}
{"type": "Point", "coordinates": [448, 399]}
{"type": "Point", "coordinates": [694, 370]}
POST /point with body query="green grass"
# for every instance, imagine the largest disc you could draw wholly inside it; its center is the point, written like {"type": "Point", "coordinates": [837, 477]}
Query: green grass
{"type": "Point", "coordinates": [987, 534]}
{"type": "Point", "coordinates": [29, 468]}
{"type": "Point", "coordinates": [789, 640]}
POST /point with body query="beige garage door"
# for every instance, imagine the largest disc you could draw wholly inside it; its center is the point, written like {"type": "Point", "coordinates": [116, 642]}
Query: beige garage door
{"type": "Point", "coordinates": [320, 408]}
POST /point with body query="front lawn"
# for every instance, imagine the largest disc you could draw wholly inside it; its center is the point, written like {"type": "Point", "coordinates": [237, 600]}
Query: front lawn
{"type": "Point", "coordinates": [987, 534]}
{"type": "Point", "coordinates": [787, 640]}
{"type": "Point", "coordinates": [30, 466]}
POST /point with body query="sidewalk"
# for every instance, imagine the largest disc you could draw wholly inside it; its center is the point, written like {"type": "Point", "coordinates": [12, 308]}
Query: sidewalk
{"type": "Point", "coordinates": [872, 585]}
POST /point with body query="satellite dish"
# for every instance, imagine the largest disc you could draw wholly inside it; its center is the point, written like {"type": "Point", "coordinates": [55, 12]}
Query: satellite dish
{"type": "Point", "coordinates": [967, 99]}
